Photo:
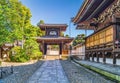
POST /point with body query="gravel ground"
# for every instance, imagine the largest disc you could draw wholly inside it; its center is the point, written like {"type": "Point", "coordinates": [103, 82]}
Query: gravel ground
{"type": "Point", "coordinates": [79, 74]}
{"type": "Point", "coordinates": [22, 73]}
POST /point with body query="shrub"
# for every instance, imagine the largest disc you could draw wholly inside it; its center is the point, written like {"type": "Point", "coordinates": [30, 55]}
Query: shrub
{"type": "Point", "coordinates": [32, 49]}
{"type": "Point", "coordinates": [36, 55]}
{"type": "Point", "coordinates": [19, 55]}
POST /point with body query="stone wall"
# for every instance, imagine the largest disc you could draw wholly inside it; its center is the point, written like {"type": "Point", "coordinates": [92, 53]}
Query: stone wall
{"type": "Point", "coordinates": [21, 73]}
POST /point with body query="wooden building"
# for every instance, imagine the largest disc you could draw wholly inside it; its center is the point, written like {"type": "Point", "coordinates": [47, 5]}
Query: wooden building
{"type": "Point", "coordinates": [53, 37]}
{"type": "Point", "coordinates": [4, 50]}
{"type": "Point", "coordinates": [102, 16]}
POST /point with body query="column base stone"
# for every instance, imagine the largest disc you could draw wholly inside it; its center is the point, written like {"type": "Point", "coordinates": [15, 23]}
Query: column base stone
{"type": "Point", "coordinates": [60, 56]}
{"type": "Point", "coordinates": [44, 56]}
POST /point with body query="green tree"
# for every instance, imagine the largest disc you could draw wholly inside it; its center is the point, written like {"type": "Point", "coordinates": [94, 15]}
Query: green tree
{"type": "Point", "coordinates": [40, 22]}
{"type": "Point", "coordinates": [4, 22]}
{"type": "Point", "coordinates": [39, 32]}
{"type": "Point", "coordinates": [79, 39]}
{"type": "Point", "coordinates": [14, 17]}
{"type": "Point", "coordinates": [31, 46]}
{"type": "Point", "coordinates": [32, 49]}
{"type": "Point", "coordinates": [15, 25]}
{"type": "Point", "coordinates": [66, 35]}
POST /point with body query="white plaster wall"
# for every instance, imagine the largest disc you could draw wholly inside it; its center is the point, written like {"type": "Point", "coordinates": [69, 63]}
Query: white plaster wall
{"type": "Point", "coordinates": [79, 51]}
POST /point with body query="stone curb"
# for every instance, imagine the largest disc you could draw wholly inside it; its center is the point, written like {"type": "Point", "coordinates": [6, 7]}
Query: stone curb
{"type": "Point", "coordinates": [100, 71]}
{"type": "Point", "coordinates": [22, 73]}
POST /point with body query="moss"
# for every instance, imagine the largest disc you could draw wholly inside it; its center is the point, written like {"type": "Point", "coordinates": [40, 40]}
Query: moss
{"type": "Point", "coordinates": [109, 75]}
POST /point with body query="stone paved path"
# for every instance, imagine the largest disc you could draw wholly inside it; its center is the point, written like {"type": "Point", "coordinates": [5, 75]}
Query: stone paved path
{"type": "Point", "coordinates": [49, 72]}
{"type": "Point", "coordinates": [79, 74]}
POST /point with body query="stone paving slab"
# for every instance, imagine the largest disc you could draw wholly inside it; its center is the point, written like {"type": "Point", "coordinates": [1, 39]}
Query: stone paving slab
{"type": "Point", "coordinates": [79, 74]}
{"type": "Point", "coordinates": [49, 72]}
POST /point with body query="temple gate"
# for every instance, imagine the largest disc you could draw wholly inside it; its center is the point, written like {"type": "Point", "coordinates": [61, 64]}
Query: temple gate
{"type": "Point", "coordinates": [53, 36]}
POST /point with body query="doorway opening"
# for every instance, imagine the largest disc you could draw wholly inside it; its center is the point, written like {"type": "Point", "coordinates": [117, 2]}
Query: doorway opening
{"type": "Point", "coordinates": [53, 50]}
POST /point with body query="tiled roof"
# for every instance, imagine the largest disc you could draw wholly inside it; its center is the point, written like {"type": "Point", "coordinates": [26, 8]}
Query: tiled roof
{"type": "Point", "coordinates": [61, 26]}
{"type": "Point", "coordinates": [54, 25]}
{"type": "Point", "coordinates": [54, 39]}
{"type": "Point", "coordinates": [91, 9]}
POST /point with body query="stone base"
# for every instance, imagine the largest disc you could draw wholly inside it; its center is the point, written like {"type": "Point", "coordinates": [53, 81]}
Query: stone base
{"type": "Point", "coordinates": [44, 56]}
{"type": "Point", "coordinates": [60, 56]}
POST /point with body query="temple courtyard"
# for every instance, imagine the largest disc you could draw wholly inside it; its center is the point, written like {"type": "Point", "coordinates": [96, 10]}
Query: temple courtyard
{"type": "Point", "coordinates": [34, 51]}
{"type": "Point", "coordinates": [64, 71]}
{"type": "Point", "coordinates": [55, 70]}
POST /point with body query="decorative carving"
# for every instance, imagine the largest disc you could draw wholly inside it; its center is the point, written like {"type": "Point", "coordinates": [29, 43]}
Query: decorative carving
{"type": "Point", "coordinates": [53, 33]}
{"type": "Point", "coordinates": [115, 8]}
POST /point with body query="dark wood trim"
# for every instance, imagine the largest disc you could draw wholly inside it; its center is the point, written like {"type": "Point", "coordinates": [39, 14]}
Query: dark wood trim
{"type": "Point", "coordinates": [45, 48]}
{"type": "Point", "coordinates": [93, 57]}
{"type": "Point", "coordinates": [1, 52]}
{"type": "Point", "coordinates": [100, 49]}
{"type": "Point", "coordinates": [114, 58]}
{"type": "Point", "coordinates": [104, 57]}
{"type": "Point", "coordinates": [60, 46]}
{"type": "Point", "coordinates": [97, 57]}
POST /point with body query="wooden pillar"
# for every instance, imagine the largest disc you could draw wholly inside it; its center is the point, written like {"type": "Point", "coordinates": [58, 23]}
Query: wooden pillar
{"type": "Point", "coordinates": [88, 56]}
{"type": "Point", "coordinates": [45, 49]}
{"type": "Point", "coordinates": [93, 56]}
{"type": "Point", "coordinates": [97, 53]}
{"type": "Point", "coordinates": [60, 51]}
{"type": "Point", "coordinates": [85, 56]}
{"type": "Point", "coordinates": [104, 56]}
{"type": "Point", "coordinates": [1, 53]}
{"type": "Point", "coordinates": [60, 47]}
{"type": "Point", "coordinates": [114, 57]}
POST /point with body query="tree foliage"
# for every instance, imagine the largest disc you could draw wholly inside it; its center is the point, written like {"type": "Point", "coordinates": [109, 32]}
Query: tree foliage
{"type": "Point", "coordinates": [79, 39]}
{"type": "Point", "coordinates": [19, 55]}
{"type": "Point", "coordinates": [4, 23]}
{"type": "Point", "coordinates": [39, 32]}
{"type": "Point", "coordinates": [32, 49]}
{"type": "Point", "coordinates": [40, 22]}
{"type": "Point", "coordinates": [67, 35]}
{"type": "Point", "coordinates": [14, 17]}
{"type": "Point", "coordinates": [15, 25]}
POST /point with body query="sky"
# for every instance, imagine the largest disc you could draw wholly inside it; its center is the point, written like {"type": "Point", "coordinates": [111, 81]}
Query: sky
{"type": "Point", "coordinates": [55, 12]}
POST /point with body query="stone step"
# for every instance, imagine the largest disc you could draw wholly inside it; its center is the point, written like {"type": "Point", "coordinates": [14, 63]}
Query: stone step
{"type": "Point", "coordinates": [52, 57]}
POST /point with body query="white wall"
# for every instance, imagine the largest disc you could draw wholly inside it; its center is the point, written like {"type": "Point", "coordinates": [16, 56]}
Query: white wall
{"type": "Point", "coordinates": [79, 51]}
{"type": "Point", "coordinates": [52, 52]}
